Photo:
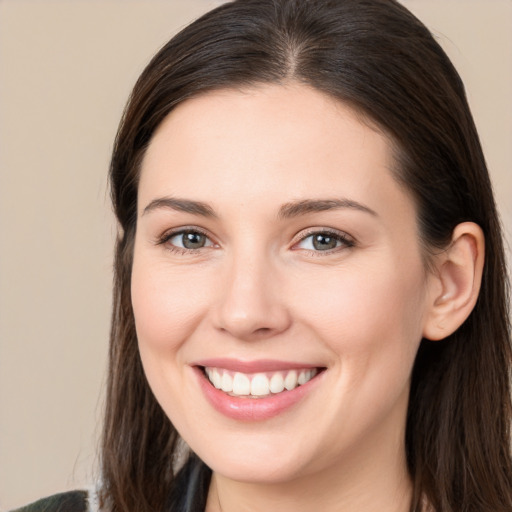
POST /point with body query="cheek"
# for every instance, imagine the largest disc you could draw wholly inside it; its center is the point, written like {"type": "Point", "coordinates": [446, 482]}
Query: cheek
{"type": "Point", "coordinates": [166, 306]}
{"type": "Point", "coordinates": [166, 313]}
{"type": "Point", "coordinates": [371, 322]}
{"type": "Point", "coordinates": [365, 315]}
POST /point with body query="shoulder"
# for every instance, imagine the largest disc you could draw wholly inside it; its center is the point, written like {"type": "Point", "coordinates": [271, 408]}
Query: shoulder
{"type": "Point", "coordinates": [74, 501]}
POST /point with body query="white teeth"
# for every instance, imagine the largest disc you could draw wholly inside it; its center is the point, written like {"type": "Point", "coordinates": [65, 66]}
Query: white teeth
{"type": "Point", "coordinates": [276, 383]}
{"type": "Point", "coordinates": [216, 378]}
{"type": "Point", "coordinates": [241, 384]}
{"type": "Point", "coordinates": [227, 382]}
{"type": "Point", "coordinates": [290, 382]}
{"type": "Point", "coordinates": [259, 384]}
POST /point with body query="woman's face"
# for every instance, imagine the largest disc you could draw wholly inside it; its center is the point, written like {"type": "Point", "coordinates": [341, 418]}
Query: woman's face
{"type": "Point", "coordinates": [276, 253]}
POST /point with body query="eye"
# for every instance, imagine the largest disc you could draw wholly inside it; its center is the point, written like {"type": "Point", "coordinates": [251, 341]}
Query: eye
{"type": "Point", "coordinates": [323, 241]}
{"type": "Point", "coordinates": [188, 239]}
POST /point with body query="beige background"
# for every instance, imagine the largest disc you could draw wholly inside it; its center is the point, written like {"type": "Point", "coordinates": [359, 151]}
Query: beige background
{"type": "Point", "coordinates": [66, 68]}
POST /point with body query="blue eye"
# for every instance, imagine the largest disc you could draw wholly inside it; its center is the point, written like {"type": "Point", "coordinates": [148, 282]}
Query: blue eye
{"type": "Point", "coordinates": [188, 239]}
{"type": "Point", "coordinates": [324, 241]}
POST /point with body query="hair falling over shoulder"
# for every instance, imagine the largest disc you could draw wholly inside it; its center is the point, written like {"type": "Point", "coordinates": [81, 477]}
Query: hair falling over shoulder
{"type": "Point", "coordinates": [377, 57]}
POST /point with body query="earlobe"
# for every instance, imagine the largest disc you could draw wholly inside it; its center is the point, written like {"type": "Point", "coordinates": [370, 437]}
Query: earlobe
{"type": "Point", "coordinates": [455, 285]}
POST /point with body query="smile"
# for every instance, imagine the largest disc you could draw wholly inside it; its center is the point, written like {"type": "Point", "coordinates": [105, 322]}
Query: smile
{"type": "Point", "coordinates": [257, 390]}
{"type": "Point", "coordinates": [258, 385]}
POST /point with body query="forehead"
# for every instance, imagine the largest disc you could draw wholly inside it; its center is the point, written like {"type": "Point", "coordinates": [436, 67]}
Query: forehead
{"type": "Point", "coordinates": [271, 141]}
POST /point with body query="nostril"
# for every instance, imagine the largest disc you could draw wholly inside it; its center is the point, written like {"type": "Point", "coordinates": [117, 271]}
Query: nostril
{"type": "Point", "coordinates": [263, 330]}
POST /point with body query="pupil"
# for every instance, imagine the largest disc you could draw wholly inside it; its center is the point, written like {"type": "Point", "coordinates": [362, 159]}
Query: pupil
{"type": "Point", "coordinates": [324, 242]}
{"type": "Point", "coordinates": [193, 240]}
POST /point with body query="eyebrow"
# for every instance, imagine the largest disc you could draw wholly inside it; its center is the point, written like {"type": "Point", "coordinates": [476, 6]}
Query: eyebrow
{"type": "Point", "coordinates": [303, 207]}
{"type": "Point", "coordinates": [286, 211]}
{"type": "Point", "coordinates": [181, 205]}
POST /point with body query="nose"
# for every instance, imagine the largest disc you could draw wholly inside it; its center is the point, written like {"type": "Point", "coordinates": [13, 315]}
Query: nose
{"type": "Point", "coordinates": [251, 303]}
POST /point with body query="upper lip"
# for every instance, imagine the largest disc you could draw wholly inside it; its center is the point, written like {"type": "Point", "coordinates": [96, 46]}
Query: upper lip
{"type": "Point", "coordinates": [255, 366]}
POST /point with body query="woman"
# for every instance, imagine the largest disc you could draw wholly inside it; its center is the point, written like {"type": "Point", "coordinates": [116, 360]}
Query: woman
{"type": "Point", "coordinates": [310, 281]}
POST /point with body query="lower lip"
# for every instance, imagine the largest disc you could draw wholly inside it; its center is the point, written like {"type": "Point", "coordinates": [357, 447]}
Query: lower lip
{"type": "Point", "coordinates": [253, 409]}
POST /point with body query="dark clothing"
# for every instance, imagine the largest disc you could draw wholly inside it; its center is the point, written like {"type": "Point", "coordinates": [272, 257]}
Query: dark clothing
{"type": "Point", "coordinates": [74, 501]}
{"type": "Point", "coordinates": [188, 494]}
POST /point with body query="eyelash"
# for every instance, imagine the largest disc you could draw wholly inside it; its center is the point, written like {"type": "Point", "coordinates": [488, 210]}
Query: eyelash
{"type": "Point", "coordinates": [164, 239]}
{"type": "Point", "coordinates": [346, 242]}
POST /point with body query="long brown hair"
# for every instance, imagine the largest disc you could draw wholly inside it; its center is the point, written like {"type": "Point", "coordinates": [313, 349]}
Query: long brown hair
{"type": "Point", "coordinates": [377, 57]}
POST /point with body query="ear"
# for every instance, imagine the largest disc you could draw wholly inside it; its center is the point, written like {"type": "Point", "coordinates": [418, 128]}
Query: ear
{"type": "Point", "coordinates": [455, 282]}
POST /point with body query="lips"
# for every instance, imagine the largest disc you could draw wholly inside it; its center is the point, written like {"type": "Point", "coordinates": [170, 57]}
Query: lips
{"type": "Point", "coordinates": [258, 390]}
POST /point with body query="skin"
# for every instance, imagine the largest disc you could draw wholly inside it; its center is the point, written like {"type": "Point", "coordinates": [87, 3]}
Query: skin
{"type": "Point", "coordinates": [258, 289]}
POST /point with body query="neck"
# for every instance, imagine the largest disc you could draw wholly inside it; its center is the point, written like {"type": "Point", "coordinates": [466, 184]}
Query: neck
{"type": "Point", "coordinates": [375, 479]}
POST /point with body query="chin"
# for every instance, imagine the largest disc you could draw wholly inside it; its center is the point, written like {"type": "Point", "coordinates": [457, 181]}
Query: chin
{"type": "Point", "coordinates": [260, 471]}
{"type": "Point", "coordinates": [257, 458]}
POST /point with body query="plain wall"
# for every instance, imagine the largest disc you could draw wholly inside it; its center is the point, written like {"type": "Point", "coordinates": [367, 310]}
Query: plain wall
{"type": "Point", "coordinates": [66, 69]}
